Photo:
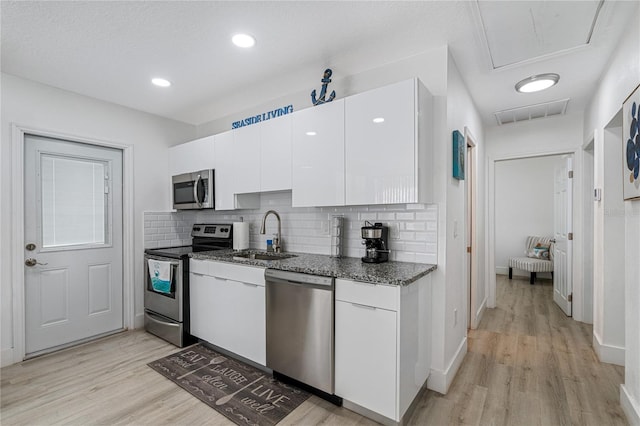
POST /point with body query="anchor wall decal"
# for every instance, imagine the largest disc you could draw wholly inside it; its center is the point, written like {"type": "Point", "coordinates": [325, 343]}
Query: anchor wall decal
{"type": "Point", "coordinates": [326, 79]}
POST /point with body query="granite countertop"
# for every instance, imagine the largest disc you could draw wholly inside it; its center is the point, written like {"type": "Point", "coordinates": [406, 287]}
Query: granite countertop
{"type": "Point", "coordinates": [352, 268]}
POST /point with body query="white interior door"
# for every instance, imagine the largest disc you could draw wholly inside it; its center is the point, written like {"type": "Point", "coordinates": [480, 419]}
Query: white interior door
{"type": "Point", "coordinates": [562, 258]}
{"type": "Point", "coordinates": [73, 242]}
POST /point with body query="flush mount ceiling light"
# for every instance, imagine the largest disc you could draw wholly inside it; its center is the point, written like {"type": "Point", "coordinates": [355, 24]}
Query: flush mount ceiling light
{"type": "Point", "coordinates": [535, 83]}
{"type": "Point", "coordinates": [161, 82]}
{"type": "Point", "coordinates": [243, 40]}
{"type": "Point", "coordinates": [311, 133]}
{"type": "Point", "coordinates": [378, 120]}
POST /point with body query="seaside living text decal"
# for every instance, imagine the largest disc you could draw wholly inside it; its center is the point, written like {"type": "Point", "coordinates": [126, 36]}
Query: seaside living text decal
{"type": "Point", "coordinates": [278, 112]}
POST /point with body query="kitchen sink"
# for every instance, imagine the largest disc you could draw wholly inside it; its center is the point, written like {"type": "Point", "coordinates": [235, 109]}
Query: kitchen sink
{"type": "Point", "coordinates": [257, 255]}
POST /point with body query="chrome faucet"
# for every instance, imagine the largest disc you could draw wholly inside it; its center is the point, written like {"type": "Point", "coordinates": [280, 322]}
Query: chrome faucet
{"type": "Point", "coordinates": [276, 243]}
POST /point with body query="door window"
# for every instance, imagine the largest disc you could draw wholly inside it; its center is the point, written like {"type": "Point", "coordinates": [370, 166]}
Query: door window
{"type": "Point", "coordinates": [74, 202]}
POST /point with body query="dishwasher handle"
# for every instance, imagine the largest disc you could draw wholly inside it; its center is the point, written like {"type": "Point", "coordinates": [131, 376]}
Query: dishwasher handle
{"type": "Point", "coordinates": [285, 277]}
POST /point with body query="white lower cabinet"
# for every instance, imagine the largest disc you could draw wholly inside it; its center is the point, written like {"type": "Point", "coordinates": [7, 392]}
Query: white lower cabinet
{"type": "Point", "coordinates": [382, 345]}
{"type": "Point", "coordinates": [228, 307]}
{"type": "Point", "coordinates": [366, 356]}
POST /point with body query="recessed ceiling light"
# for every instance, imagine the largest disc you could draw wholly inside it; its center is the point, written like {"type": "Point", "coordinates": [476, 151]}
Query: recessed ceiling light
{"type": "Point", "coordinates": [161, 82]}
{"type": "Point", "coordinates": [378, 120]}
{"type": "Point", "coordinates": [311, 133]}
{"type": "Point", "coordinates": [243, 40]}
{"type": "Point", "coordinates": [535, 83]}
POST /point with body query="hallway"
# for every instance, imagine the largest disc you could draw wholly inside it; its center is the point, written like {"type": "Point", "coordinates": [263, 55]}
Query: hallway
{"type": "Point", "coordinates": [528, 364]}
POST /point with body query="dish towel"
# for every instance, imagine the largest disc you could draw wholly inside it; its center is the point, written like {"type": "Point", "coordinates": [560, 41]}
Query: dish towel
{"type": "Point", "coordinates": [160, 274]}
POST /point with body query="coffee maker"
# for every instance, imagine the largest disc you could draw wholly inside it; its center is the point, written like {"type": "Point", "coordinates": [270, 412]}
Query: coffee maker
{"type": "Point", "coordinates": [375, 241]}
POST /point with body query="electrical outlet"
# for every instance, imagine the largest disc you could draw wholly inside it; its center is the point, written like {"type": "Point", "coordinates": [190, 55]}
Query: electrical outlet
{"type": "Point", "coordinates": [395, 231]}
{"type": "Point", "coordinates": [325, 227]}
{"type": "Point", "coordinates": [455, 317]}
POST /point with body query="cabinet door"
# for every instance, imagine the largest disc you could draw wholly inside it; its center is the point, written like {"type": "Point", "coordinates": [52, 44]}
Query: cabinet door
{"type": "Point", "coordinates": [224, 176]}
{"type": "Point", "coordinates": [365, 370]}
{"type": "Point", "coordinates": [238, 318]}
{"type": "Point", "coordinates": [318, 156]}
{"type": "Point", "coordinates": [191, 156]}
{"type": "Point", "coordinates": [380, 145]}
{"type": "Point", "coordinates": [201, 291]}
{"type": "Point", "coordinates": [275, 151]}
{"type": "Point", "coordinates": [246, 159]}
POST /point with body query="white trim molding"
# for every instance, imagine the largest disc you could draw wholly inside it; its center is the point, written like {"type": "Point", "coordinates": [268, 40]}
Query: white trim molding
{"type": "Point", "coordinates": [6, 357]}
{"type": "Point", "coordinates": [439, 380]}
{"type": "Point", "coordinates": [630, 406]}
{"type": "Point", "coordinates": [18, 131]}
{"type": "Point", "coordinates": [607, 353]}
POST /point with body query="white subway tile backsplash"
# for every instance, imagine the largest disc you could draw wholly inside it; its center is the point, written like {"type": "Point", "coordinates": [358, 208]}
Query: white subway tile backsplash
{"type": "Point", "coordinates": [415, 226]}
{"type": "Point", "coordinates": [307, 229]}
{"type": "Point", "coordinates": [405, 216]}
{"type": "Point", "coordinates": [386, 216]}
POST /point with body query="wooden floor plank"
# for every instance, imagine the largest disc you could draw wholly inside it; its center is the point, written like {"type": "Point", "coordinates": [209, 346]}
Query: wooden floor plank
{"type": "Point", "coordinates": [527, 364]}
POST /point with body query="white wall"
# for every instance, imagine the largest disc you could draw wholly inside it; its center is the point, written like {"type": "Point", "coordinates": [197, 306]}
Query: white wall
{"type": "Point", "coordinates": [44, 107]}
{"type": "Point", "coordinates": [453, 285]}
{"type": "Point", "coordinates": [429, 67]}
{"type": "Point", "coordinates": [524, 205]}
{"type": "Point", "coordinates": [543, 136]}
{"type": "Point", "coordinates": [618, 81]}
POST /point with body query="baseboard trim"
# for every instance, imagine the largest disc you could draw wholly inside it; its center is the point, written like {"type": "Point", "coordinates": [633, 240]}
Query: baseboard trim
{"type": "Point", "coordinates": [608, 353]}
{"type": "Point", "coordinates": [138, 321]}
{"type": "Point", "coordinates": [6, 357]}
{"type": "Point", "coordinates": [629, 406]}
{"type": "Point", "coordinates": [439, 380]}
{"type": "Point", "coordinates": [479, 314]}
{"type": "Point", "coordinates": [502, 270]}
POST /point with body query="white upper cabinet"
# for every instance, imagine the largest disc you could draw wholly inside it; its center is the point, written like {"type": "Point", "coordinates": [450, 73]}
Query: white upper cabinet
{"type": "Point", "coordinates": [318, 156]}
{"type": "Point", "coordinates": [246, 159]}
{"type": "Point", "coordinates": [387, 145]}
{"type": "Point", "coordinates": [275, 149]}
{"type": "Point", "coordinates": [191, 156]}
{"type": "Point", "coordinates": [223, 174]}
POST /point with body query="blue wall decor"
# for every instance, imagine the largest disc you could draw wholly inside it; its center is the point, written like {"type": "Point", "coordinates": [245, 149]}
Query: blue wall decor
{"type": "Point", "coordinates": [631, 145]}
{"type": "Point", "coordinates": [458, 155]}
{"type": "Point", "coordinates": [268, 115]}
{"type": "Point", "coordinates": [326, 79]}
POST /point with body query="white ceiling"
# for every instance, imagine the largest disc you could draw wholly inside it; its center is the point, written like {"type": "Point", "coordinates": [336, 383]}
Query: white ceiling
{"type": "Point", "coordinates": [110, 49]}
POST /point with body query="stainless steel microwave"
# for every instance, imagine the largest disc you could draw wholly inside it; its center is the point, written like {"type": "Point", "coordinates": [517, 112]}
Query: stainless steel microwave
{"type": "Point", "coordinates": [193, 190]}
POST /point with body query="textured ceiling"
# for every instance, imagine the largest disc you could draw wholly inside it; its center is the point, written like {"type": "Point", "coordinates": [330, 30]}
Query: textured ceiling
{"type": "Point", "coordinates": [110, 50]}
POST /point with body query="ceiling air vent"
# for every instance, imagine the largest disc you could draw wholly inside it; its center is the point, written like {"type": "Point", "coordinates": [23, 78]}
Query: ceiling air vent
{"type": "Point", "coordinates": [531, 112]}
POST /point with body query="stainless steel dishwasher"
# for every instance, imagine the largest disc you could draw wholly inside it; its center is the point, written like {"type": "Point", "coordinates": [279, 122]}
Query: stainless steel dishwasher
{"type": "Point", "coordinates": [300, 338]}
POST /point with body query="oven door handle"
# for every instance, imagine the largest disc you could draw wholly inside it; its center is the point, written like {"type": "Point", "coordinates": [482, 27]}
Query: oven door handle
{"type": "Point", "coordinates": [170, 324]}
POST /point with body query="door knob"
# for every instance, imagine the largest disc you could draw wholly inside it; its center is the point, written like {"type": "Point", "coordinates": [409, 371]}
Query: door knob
{"type": "Point", "coordinates": [33, 262]}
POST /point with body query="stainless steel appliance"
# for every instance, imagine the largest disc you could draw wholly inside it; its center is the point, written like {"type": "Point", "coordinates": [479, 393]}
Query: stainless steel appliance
{"type": "Point", "coordinates": [376, 242]}
{"type": "Point", "coordinates": [166, 314]}
{"type": "Point", "coordinates": [300, 329]}
{"type": "Point", "coordinates": [193, 190]}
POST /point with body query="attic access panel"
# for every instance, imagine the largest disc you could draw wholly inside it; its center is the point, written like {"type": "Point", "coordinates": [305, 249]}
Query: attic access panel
{"type": "Point", "coordinates": [518, 31]}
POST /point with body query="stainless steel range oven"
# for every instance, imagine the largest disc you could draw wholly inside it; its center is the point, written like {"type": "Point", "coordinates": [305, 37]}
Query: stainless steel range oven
{"type": "Point", "coordinates": [166, 309]}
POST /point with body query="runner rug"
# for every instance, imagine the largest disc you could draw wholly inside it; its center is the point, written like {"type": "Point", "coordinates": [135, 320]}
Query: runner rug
{"type": "Point", "coordinates": [242, 393]}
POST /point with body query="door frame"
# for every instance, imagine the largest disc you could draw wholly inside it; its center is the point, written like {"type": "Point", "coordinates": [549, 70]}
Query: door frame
{"type": "Point", "coordinates": [471, 211]}
{"type": "Point", "coordinates": [18, 133]}
{"type": "Point", "coordinates": [490, 259]}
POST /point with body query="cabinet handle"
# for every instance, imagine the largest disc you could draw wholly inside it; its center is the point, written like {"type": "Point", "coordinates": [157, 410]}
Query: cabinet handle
{"type": "Point", "coordinates": [357, 305]}
{"type": "Point", "coordinates": [249, 284]}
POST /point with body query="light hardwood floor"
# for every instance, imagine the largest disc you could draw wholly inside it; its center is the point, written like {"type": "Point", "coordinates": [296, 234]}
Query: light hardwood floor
{"type": "Point", "coordinates": [527, 365]}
